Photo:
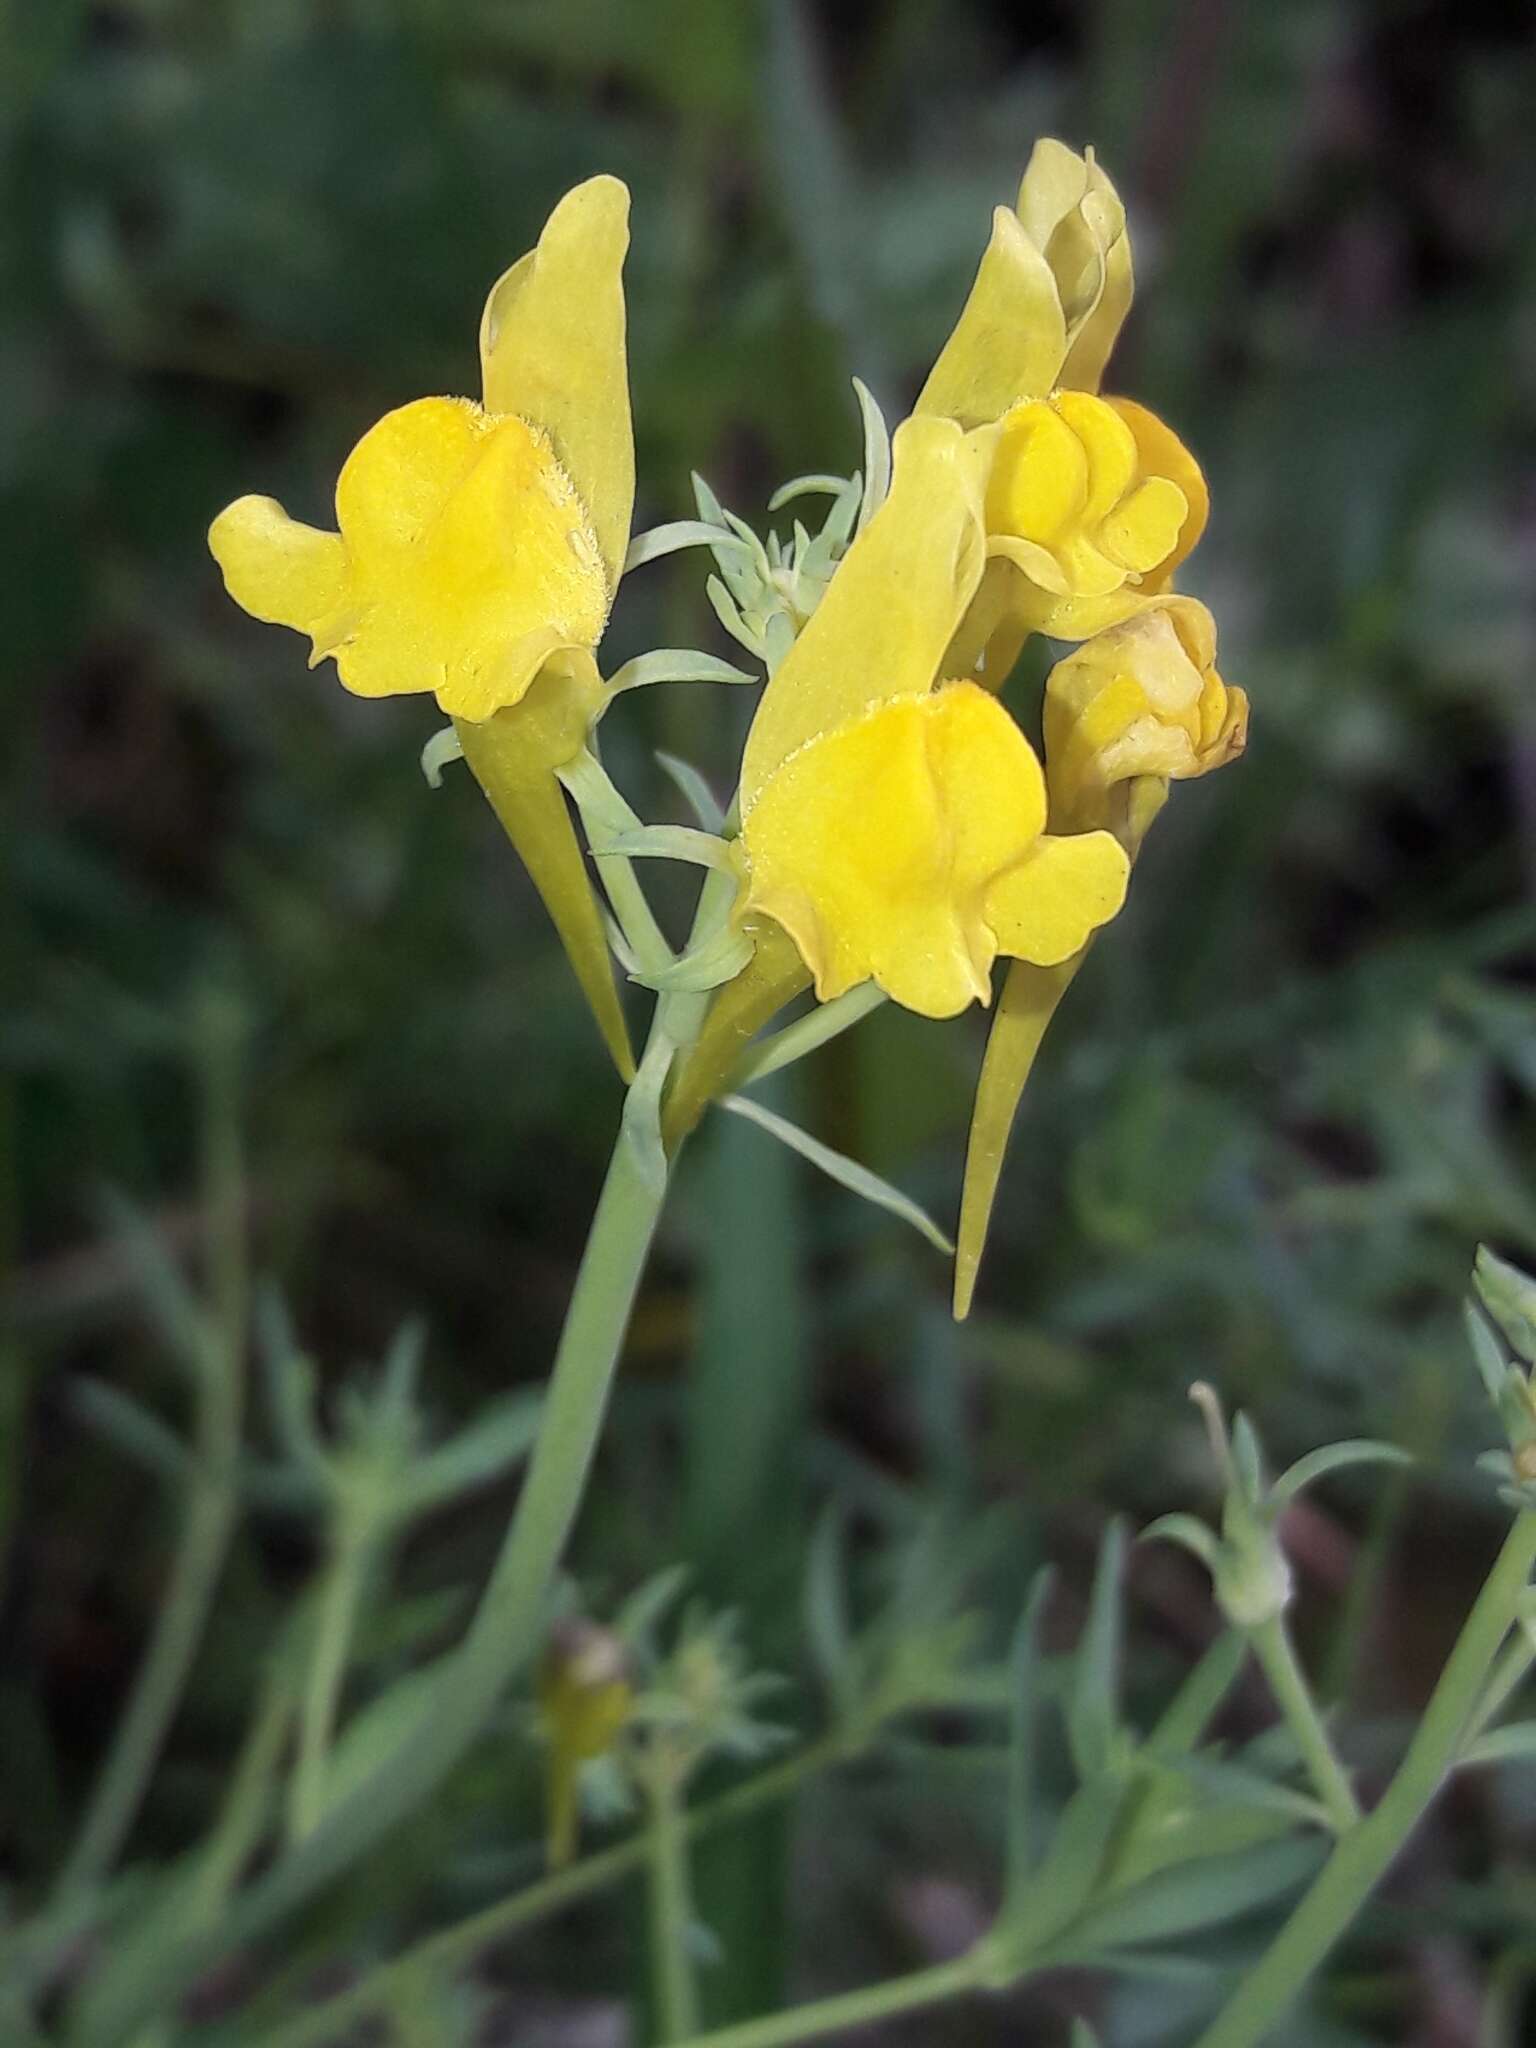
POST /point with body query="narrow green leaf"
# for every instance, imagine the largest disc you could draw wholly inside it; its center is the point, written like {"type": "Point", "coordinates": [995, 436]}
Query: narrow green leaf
{"type": "Point", "coordinates": [172, 1306]}
{"type": "Point", "coordinates": [1066, 1877]}
{"type": "Point", "coordinates": [719, 959]}
{"type": "Point", "coordinates": [670, 842]}
{"type": "Point", "coordinates": [726, 611]}
{"type": "Point", "coordinates": [1233, 1786]}
{"type": "Point", "coordinates": [826, 1609]}
{"type": "Point", "coordinates": [1247, 1458]}
{"type": "Point", "coordinates": [859, 1180]}
{"type": "Point", "coordinates": [1515, 1743]}
{"type": "Point", "coordinates": [838, 524]}
{"type": "Point", "coordinates": [1335, 1458]}
{"type": "Point", "coordinates": [669, 539]}
{"type": "Point", "coordinates": [1188, 1531]}
{"type": "Point", "coordinates": [1191, 1897]}
{"type": "Point", "coordinates": [877, 455]}
{"type": "Point", "coordinates": [695, 790]}
{"type": "Point", "coordinates": [1023, 1738]}
{"type": "Point", "coordinates": [1083, 2036]}
{"type": "Point", "coordinates": [1509, 1296]}
{"type": "Point", "coordinates": [440, 751]}
{"type": "Point", "coordinates": [642, 1613]}
{"type": "Point", "coordinates": [492, 1444]}
{"type": "Point", "coordinates": [131, 1429]}
{"type": "Point", "coordinates": [1093, 1702]}
{"type": "Point", "coordinates": [1185, 1719]}
{"type": "Point", "coordinates": [641, 1121]}
{"type": "Point", "coordinates": [805, 486]}
{"type": "Point", "coordinates": [815, 1028]}
{"type": "Point", "coordinates": [1491, 1362]}
{"type": "Point", "coordinates": [675, 665]}
{"type": "Point", "coordinates": [401, 1372]}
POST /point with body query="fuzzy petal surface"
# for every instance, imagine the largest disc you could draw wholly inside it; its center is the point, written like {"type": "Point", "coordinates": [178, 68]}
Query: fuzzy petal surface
{"type": "Point", "coordinates": [464, 560]}
{"type": "Point", "coordinates": [905, 847]}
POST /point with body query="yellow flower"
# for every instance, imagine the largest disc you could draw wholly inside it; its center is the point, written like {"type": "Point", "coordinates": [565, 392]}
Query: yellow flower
{"type": "Point", "coordinates": [1143, 700]}
{"type": "Point", "coordinates": [478, 549]}
{"type": "Point", "coordinates": [894, 829]}
{"type": "Point", "coordinates": [1128, 712]}
{"type": "Point", "coordinates": [1092, 503]}
{"type": "Point", "coordinates": [475, 541]}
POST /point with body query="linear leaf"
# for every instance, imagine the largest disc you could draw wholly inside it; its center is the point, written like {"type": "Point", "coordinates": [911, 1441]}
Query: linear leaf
{"type": "Point", "coordinates": [859, 1180]}
{"type": "Point", "coordinates": [1185, 1718]}
{"type": "Point", "coordinates": [1188, 1531]}
{"type": "Point", "coordinates": [670, 842]}
{"type": "Point", "coordinates": [1093, 1704]}
{"type": "Point", "coordinates": [696, 791]}
{"type": "Point", "coordinates": [675, 665]}
{"type": "Point", "coordinates": [1023, 1733]}
{"type": "Point", "coordinates": [1513, 1744]}
{"type": "Point", "coordinates": [877, 455]}
{"type": "Point", "coordinates": [1193, 1896]}
{"type": "Point", "coordinates": [677, 534]}
{"type": "Point", "coordinates": [1334, 1458]}
{"type": "Point", "coordinates": [803, 487]}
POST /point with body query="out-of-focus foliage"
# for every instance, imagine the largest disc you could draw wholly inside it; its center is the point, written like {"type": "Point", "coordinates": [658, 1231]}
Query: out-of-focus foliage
{"type": "Point", "coordinates": [1275, 1113]}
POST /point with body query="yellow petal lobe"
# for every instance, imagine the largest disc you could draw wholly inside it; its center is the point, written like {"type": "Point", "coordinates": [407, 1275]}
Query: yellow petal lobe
{"type": "Point", "coordinates": [277, 569]}
{"type": "Point", "coordinates": [1044, 908]}
{"type": "Point", "coordinates": [465, 559]}
{"type": "Point", "coordinates": [905, 847]}
{"type": "Point", "coordinates": [552, 350]}
{"type": "Point", "coordinates": [1095, 503]}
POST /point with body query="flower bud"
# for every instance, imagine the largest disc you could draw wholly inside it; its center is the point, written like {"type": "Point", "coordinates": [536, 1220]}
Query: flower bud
{"type": "Point", "coordinates": [1139, 704]}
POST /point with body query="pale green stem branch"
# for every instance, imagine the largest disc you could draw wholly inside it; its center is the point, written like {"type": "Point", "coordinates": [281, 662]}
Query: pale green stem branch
{"type": "Point", "coordinates": [1272, 1646]}
{"type": "Point", "coordinates": [671, 1913]}
{"type": "Point", "coordinates": [212, 1497]}
{"type": "Point", "coordinates": [341, 1596]}
{"type": "Point", "coordinates": [1363, 1856]}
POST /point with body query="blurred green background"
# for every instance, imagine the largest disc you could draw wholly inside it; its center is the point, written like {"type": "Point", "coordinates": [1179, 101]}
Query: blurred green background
{"type": "Point", "coordinates": [1286, 1099]}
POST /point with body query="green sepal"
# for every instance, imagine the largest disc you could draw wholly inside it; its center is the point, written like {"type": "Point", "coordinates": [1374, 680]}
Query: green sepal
{"type": "Point", "coordinates": [774, 976]}
{"type": "Point", "coordinates": [1024, 1012]}
{"type": "Point", "coordinates": [513, 756]}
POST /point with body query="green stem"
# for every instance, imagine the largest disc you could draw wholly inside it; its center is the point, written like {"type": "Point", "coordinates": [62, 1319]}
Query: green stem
{"type": "Point", "coordinates": [454, 1946]}
{"type": "Point", "coordinates": [501, 1637]}
{"type": "Point", "coordinates": [212, 1483]}
{"type": "Point", "coordinates": [853, 2008]}
{"type": "Point", "coordinates": [1273, 1647]}
{"type": "Point", "coordinates": [335, 1620]}
{"type": "Point", "coordinates": [671, 1914]}
{"type": "Point", "coordinates": [1365, 1853]}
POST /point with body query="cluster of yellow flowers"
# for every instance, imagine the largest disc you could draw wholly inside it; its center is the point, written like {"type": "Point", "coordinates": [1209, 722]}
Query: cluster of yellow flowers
{"type": "Point", "coordinates": [894, 820]}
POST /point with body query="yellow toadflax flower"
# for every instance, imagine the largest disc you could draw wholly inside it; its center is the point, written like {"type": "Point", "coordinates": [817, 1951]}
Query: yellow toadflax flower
{"type": "Point", "coordinates": [1126, 713]}
{"type": "Point", "coordinates": [1092, 503]}
{"type": "Point", "coordinates": [893, 822]}
{"type": "Point", "coordinates": [478, 549]}
{"type": "Point", "coordinates": [1140, 702]}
